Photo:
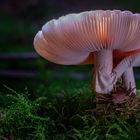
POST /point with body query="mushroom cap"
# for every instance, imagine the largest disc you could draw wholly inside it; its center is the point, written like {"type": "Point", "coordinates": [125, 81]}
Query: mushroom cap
{"type": "Point", "coordinates": [73, 39]}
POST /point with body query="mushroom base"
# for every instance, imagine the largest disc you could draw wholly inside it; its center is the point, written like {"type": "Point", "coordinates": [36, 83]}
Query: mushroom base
{"type": "Point", "coordinates": [119, 101]}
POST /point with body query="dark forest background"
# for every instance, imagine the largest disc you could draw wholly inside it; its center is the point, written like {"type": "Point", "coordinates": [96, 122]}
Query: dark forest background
{"type": "Point", "coordinates": [20, 21]}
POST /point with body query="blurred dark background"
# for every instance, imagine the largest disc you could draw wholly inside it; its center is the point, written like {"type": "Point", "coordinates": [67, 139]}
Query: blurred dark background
{"type": "Point", "coordinates": [20, 20]}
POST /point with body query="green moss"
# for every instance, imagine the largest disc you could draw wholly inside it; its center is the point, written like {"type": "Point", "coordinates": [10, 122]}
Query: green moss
{"type": "Point", "coordinates": [61, 114]}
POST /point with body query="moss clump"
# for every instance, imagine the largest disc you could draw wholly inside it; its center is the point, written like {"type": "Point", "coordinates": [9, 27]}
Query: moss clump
{"type": "Point", "coordinates": [67, 116]}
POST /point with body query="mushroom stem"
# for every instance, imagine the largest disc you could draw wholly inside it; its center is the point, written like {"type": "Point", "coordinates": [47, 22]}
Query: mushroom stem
{"type": "Point", "coordinates": [129, 80]}
{"type": "Point", "coordinates": [105, 78]}
{"type": "Point", "coordinates": [128, 62]}
{"type": "Point", "coordinates": [103, 68]}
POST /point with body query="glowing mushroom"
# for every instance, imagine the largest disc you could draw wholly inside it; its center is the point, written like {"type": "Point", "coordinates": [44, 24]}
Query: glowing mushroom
{"type": "Point", "coordinates": [92, 38]}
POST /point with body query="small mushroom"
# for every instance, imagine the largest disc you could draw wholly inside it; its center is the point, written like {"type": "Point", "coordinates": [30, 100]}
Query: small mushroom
{"type": "Point", "coordinates": [127, 76]}
{"type": "Point", "coordinates": [91, 38]}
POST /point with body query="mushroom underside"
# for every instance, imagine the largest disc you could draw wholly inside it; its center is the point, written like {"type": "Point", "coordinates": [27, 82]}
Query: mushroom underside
{"type": "Point", "coordinates": [106, 76]}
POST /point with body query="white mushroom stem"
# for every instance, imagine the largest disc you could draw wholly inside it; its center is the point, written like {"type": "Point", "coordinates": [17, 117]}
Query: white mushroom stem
{"type": "Point", "coordinates": [105, 78]}
{"type": "Point", "coordinates": [128, 62]}
{"type": "Point", "coordinates": [129, 80]}
{"type": "Point", "coordinates": [103, 83]}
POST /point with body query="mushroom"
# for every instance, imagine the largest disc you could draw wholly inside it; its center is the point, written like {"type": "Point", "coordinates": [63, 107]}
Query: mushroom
{"type": "Point", "coordinates": [94, 37]}
{"type": "Point", "coordinates": [127, 76]}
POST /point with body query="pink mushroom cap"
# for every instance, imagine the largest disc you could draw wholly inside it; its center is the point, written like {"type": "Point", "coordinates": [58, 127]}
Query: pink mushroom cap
{"type": "Point", "coordinates": [73, 38]}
